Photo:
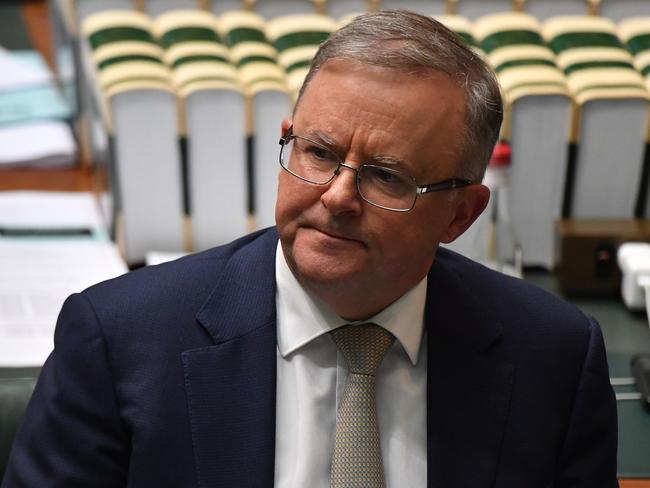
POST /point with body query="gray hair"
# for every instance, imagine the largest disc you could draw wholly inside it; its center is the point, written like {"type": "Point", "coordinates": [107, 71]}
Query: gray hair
{"type": "Point", "coordinates": [412, 43]}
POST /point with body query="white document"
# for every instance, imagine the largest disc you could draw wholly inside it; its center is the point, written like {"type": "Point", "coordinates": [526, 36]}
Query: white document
{"type": "Point", "coordinates": [39, 271]}
{"type": "Point", "coordinates": [36, 276]}
{"type": "Point", "coordinates": [49, 210]}
{"type": "Point", "coordinates": [37, 144]}
{"type": "Point", "coordinates": [19, 72]}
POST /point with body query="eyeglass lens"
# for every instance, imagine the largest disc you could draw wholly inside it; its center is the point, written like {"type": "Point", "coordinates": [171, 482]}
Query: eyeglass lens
{"type": "Point", "coordinates": [377, 185]}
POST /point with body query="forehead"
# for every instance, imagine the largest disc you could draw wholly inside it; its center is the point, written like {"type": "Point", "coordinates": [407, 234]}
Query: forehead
{"type": "Point", "coordinates": [371, 110]}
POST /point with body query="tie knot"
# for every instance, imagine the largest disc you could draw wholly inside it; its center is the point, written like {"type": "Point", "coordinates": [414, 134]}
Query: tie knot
{"type": "Point", "coordinates": [363, 346]}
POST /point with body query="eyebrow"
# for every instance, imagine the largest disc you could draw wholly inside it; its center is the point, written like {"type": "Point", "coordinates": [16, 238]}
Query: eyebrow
{"type": "Point", "coordinates": [379, 159]}
{"type": "Point", "coordinates": [386, 160]}
{"type": "Point", "coordinates": [323, 138]}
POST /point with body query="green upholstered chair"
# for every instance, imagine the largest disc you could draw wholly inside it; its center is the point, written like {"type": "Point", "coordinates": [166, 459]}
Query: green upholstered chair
{"type": "Point", "coordinates": [214, 118]}
{"type": "Point", "coordinates": [135, 87]}
{"type": "Point", "coordinates": [635, 33]}
{"type": "Point", "coordinates": [267, 101]}
{"type": "Point", "coordinates": [124, 49]}
{"type": "Point", "coordinates": [296, 38]}
{"type": "Point", "coordinates": [516, 50]}
{"type": "Point", "coordinates": [596, 62]}
{"type": "Point", "coordinates": [194, 50]}
{"type": "Point", "coordinates": [14, 396]}
{"type": "Point", "coordinates": [537, 116]}
{"type": "Point", "coordinates": [610, 120]}
{"type": "Point", "coordinates": [251, 51]}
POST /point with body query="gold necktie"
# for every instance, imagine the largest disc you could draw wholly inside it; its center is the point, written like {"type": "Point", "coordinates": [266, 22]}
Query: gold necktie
{"type": "Point", "coordinates": [356, 462]}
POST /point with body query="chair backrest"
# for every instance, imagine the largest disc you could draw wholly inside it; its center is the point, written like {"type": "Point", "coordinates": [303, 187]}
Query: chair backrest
{"type": "Point", "coordinates": [297, 37]}
{"type": "Point", "coordinates": [516, 50]}
{"type": "Point", "coordinates": [193, 47]}
{"type": "Point", "coordinates": [635, 33]}
{"type": "Point", "coordinates": [124, 48]}
{"type": "Point", "coordinates": [597, 64]}
{"type": "Point", "coordinates": [250, 49]}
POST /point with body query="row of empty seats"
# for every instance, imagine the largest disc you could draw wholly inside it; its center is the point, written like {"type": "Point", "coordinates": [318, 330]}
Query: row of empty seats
{"type": "Point", "coordinates": [569, 79]}
{"type": "Point", "coordinates": [542, 9]}
{"type": "Point", "coordinates": [192, 49]}
{"type": "Point", "coordinates": [194, 41]}
{"type": "Point", "coordinates": [241, 72]}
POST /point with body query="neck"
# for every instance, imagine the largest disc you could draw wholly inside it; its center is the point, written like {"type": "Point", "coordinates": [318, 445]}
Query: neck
{"type": "Point", "coordinates": [352, 303]}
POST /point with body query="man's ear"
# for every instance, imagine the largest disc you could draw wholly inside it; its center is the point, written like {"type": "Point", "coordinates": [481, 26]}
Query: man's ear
{"type": "Point", "coordinates": [469, 205]}
{"type": "Point", "coordinates": [287, 122]}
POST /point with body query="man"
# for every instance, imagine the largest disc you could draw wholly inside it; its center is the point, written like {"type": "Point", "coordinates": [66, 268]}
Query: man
{"type": "Point", "coordinates": [227, 368]}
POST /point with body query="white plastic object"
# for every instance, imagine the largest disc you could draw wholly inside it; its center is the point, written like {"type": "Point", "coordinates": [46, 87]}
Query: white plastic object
{"type": "Point", "coordinates": [634, 262]}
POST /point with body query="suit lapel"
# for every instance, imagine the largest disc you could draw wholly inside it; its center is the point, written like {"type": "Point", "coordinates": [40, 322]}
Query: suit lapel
{"type": "Point", "coordinates": [468, 387]}
{"type": "Point", "coordinates": [230, 386]}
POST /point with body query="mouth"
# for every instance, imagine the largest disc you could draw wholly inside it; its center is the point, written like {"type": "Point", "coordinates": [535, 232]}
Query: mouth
{"type": "Point", "coordinates": [335, 236]}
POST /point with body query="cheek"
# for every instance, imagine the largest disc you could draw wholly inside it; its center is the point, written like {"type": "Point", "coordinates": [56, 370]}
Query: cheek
{"type": "Point", "coordinates": [294, 197]}
{"type": "Point", "coordinates": [286, 202]}
{"type": "Point", "coordinates": [428, 229]}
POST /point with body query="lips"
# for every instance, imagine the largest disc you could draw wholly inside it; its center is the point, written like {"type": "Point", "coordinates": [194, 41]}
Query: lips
{"type": "Point", "coordinates": [335, 235]}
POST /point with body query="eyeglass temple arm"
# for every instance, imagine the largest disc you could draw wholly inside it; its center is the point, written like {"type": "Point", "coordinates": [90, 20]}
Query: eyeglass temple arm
{"type": "Point", "coordinates": [444, 185]}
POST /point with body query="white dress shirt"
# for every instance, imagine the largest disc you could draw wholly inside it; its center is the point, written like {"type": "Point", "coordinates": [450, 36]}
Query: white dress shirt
{"type": "Point", "coordinates": [311, 376]}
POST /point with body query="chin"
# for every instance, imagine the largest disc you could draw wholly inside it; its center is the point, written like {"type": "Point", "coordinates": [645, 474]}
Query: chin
{"type": "Point", "coordinates": [315, 269]}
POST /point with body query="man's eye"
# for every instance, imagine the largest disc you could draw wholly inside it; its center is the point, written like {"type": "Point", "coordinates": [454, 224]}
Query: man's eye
{"type": "Point", "coordinates": [387, 177]}
{"type": "Point", "coordinates": [320, 153]}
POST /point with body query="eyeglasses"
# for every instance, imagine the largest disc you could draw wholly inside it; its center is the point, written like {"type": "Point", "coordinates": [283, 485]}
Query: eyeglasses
{"type": "Point", "coordinates": [380, 186]}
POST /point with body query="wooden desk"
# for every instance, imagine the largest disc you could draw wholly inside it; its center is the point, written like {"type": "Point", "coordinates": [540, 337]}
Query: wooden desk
{"type": "Point", "coordinates": [69, 179]}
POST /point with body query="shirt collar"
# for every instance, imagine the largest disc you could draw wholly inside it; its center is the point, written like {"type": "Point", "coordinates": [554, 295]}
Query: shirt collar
{"type": "Point", "coordinates": [302, 317]}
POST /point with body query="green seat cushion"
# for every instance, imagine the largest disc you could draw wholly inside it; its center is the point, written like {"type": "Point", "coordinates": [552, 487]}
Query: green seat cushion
{"type": "Point", "coordinates": [189, 34]}
{"type": "Point", "coordinates": [117, 34]}
{"type": "Point", "coordinates": [14, 396]}
{"type": "Point", "coordinates": [509, 38]}
{"type": "Point", "coordinates": [573, 40]}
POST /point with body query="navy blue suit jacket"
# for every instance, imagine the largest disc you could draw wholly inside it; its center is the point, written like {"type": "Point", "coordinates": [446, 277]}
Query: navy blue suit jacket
{"type": "Point", "coordinates": [165, 377]}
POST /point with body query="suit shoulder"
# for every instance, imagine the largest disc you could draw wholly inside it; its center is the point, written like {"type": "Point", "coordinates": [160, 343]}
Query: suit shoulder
{"type": "Point", "coordinates": [515, 301]}
{"type": "Point", "coordinates": [184, 282]}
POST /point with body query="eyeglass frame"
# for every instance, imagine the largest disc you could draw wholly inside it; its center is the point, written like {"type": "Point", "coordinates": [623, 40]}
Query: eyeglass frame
{"type": "Point", "coordinates": [449, 184]}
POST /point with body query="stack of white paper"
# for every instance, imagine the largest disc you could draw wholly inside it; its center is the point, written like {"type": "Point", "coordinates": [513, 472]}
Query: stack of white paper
{"type": "Point", "coordinates": [52, 244]}
{"type": "Point", "coordinates": [46, 211]}
{"type": "Point", "coordinates": [33, 113]}
{"type": "Point", "coordinates": [38, 144]}
{"type": "Point", "coordinates": [36, 276]}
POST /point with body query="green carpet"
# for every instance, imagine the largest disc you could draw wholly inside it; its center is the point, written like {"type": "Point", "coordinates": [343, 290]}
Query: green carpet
{"type": "Point", "coordinates": [626, 334]}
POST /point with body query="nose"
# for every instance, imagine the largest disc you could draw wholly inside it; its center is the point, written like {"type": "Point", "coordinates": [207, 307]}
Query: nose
{"type": "Point", "coordinates": [341, 196]}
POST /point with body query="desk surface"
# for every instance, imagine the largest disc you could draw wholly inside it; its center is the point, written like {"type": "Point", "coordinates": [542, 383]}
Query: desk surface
{"type": "Point", "coordinates": [69, 179]}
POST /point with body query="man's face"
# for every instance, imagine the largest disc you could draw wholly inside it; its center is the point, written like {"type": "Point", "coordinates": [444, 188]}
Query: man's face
{"type": "Point", "coordinates": [356, 257]}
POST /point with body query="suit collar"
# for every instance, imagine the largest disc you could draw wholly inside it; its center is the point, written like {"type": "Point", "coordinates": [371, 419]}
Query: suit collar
{"type": "Point", "coordinates": [244, 297]}
{"type": "Point", "coordinates": [454, 312]}
{"type": "Point", "coordinates": [230, 386]}
{"type": "Point", "coordinates": [468, 385]}
{"type": "Point", "coordinates": [302, 317]}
